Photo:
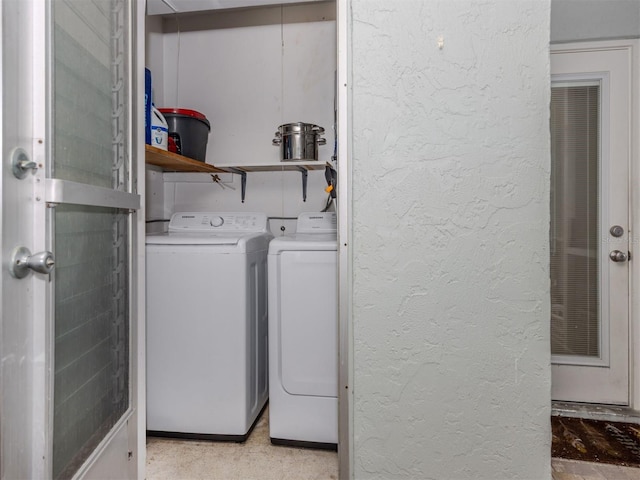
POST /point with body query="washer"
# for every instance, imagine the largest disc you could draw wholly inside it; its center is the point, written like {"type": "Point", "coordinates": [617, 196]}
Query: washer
{"type": "Point", "coordinates": [303, 334]}
{"type": "Point", "coordinates": [207, 373]}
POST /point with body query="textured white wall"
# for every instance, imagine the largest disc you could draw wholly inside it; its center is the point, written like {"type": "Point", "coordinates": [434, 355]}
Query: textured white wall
{"type": "Point", "coordinates": [450, 239]}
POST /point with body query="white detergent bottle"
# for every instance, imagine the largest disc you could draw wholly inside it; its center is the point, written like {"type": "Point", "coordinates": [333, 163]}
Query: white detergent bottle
{"type": "Point", "coordinates": [159, 129]}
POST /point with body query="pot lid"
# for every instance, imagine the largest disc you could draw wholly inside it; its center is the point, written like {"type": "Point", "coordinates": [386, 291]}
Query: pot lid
{"type": "Point", "coordinates": [300, 127]}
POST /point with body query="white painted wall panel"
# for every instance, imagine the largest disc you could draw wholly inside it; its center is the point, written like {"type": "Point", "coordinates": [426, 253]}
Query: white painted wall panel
{"type": "Point", "coordinates": [450, 239]}
{"type": "Point", "coordinates": [249, 80]}
{"type": "Point", "coordinates": [248, 72]}
{"type": "Point", "coordinates": [154, 56]}
{"type": "Point", "coordinates": [231, 77]}
{"type": "Point", "coordinates": [575, 20]}
{"type": "Point", "coordinates": [278, 194]}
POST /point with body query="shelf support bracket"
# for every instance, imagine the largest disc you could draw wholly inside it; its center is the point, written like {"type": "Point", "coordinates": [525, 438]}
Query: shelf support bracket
{"type": "Point", "coordinates": [305, 174]}
{"type": "Point", "coordinates": [243, 184]}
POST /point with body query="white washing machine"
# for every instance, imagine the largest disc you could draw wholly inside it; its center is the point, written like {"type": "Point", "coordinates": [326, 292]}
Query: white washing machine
{"type": "Point", "coordinates": [207, 361]}
{"type": "Point", "coordinates": [303, 334]}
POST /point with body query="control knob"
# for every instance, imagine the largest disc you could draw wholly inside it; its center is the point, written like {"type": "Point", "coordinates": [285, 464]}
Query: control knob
{"type": "Point", "coordinates": [216, 221]}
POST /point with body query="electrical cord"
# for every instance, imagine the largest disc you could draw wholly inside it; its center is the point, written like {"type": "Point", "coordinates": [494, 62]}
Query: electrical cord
{"type": "Point", "coordinates": [328, 204]}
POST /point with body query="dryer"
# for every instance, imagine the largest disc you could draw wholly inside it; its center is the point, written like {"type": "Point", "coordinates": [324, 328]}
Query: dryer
{"type": "Point", "coordinates": [303, 334]}
{"type": "Point", "coordinates": [207, 372]}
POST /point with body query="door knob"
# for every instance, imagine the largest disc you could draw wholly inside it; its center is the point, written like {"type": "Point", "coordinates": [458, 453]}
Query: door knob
{"type": "Point", "coordinates": [616, 231]}
{"type": "Point", "coordinates": [618, 256]}
{"type": "Point", "coordinates": [22, 261]}
{"type": "Point", "coordinates": [21, 164]}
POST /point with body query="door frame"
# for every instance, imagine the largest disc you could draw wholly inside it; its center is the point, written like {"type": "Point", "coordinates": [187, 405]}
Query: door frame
{"type": "Point", "coordinates": [138, 331]}
{"type": "Point", "coordinates": [345, 262]}
{"type": "Point", "coordinates": [634, 223]}
{"type": "Point", "coordinates": [634, 200]}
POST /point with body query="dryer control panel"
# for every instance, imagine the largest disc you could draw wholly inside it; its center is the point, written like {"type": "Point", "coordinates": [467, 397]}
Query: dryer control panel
{"type": "Point", "coordinates": [321, 222]}
{"type": "Point", "coordinates": [218, 222]}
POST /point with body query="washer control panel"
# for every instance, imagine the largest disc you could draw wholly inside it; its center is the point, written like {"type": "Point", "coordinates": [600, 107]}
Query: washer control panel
{"type": "Point", "coordinates": [217, 222]}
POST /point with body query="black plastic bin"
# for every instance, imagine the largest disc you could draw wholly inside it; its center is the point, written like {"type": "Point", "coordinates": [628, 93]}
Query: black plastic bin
{"type": "Point", "coordinates": [189, 130]}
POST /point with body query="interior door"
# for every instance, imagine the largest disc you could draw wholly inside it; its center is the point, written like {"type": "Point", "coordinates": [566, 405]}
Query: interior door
{"type": "Point", "coordinates": [591, 150]}
{"type": "Point", "coordinates": [68, 241]}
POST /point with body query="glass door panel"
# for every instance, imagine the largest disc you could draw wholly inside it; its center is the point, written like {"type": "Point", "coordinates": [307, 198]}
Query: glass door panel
{"type": "Point", "coordinates": [91, 237]}
{"type": "Point", "coordinates": [575, 217]}
{"type": "Point", "coordinates": [91, 331]}
{"type": "Point", "coordinates": [90, 103]}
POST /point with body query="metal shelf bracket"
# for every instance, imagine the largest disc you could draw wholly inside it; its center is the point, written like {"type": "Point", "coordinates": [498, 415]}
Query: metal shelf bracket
{"type": "Point", "coordinates": [243, 184]}
{"type": "Point", "coordinates": [305, 174]}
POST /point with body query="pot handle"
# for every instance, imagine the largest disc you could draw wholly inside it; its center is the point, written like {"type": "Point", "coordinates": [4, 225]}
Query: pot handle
{"type": "Point", "coordinates": [322, 141]}
{"type": "Point", "coordinates": [276, 142]}
{"type": "Point", "coordinates": [318, 129]}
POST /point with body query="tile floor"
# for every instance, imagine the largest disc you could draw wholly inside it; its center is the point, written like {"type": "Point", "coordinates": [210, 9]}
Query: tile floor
{"type": "Point", "coordinates": [575, 470]}
{"type": "Point", "coordinates": [257, 459]}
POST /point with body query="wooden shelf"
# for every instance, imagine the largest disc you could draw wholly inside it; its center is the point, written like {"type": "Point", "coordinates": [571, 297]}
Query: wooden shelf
{"type": "Point", "coordinates": [275, 167]}
{"type": "Point", "coordinates": [158, 7]}
{"type": "Point", "coordinates": [172, 162]}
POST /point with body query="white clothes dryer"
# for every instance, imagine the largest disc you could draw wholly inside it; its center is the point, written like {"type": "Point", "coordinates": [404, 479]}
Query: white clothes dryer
{"type": "Point", "coordinates": [303, 334]}
{"type": "Point", "coordinates": [207, 361]}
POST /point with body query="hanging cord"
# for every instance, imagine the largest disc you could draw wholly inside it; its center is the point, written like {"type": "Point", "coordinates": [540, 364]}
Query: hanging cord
{"type": "Point", "coordinates": [328, 204]}
{"type": "Point", "coordinates": [282, 217]}
{"type": "Point", "coordinates": [178, 65]}
{"type": "Point", "coordinates": [334, 158]}
{"type": "Point", "coordinates": [331, 177]}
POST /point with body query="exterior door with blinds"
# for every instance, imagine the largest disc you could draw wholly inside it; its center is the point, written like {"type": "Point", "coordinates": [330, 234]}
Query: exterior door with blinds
{"type": "Point", "coordinates": [69, 240]}
{"type": "Point", "coordinates": [589, 232]}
